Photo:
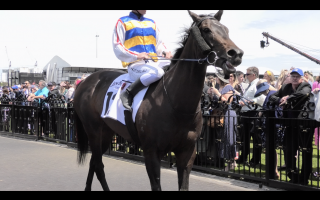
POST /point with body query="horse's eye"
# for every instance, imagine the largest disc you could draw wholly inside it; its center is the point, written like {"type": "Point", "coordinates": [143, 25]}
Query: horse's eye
{"type": "Point", "coordinates": [206, 30]}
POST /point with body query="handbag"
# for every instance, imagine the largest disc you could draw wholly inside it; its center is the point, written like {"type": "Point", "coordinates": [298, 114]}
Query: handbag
{"type": "Point", "coordinates": [216, 118]}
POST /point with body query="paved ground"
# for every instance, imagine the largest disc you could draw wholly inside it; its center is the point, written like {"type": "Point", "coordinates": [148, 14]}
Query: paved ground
{"type": "Point", "coordinates": [29, 165]}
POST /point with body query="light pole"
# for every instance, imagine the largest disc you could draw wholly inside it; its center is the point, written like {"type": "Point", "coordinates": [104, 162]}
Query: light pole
{"type": "Point", "coordinates": [97, 46]}
{"type": "Point", "coordinates": [9, 72]}
{"type": "Point", "coordinates": [35, 67]}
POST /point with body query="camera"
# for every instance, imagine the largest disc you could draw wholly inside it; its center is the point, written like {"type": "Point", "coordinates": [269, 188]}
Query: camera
{"type": "Point", "coordinates": [205, 102]}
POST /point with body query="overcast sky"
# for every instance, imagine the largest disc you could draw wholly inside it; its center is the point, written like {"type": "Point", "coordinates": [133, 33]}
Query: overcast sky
{"type": "Point", "coordinates": [32, 36]}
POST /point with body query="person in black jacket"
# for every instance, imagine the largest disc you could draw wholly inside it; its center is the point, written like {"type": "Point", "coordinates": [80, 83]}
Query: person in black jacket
{"type": "Point", "coordinates": [293, 97]}
{"type": "Point", "coordinates": [53, 90]}
{"type": "Point", "coordinates": [15, 92]}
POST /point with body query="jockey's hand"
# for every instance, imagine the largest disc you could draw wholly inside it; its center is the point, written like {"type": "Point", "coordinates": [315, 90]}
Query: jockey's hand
{"type": "Point", "coordinates": [142, 56]}
{"type": "Point", "coordinates": [167, 55]}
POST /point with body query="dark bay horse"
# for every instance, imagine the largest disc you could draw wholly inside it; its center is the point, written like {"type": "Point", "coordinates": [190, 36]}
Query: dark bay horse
{"type": "Point", "coordinates": [169, 118]}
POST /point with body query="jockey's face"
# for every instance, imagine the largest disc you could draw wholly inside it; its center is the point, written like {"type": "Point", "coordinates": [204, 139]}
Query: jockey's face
{"type": "Point", "coordinates": [142, 12]}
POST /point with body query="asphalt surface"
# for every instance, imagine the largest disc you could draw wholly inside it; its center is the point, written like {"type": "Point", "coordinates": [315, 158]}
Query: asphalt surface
{"type": "Point", "coordinates": [43, 166]}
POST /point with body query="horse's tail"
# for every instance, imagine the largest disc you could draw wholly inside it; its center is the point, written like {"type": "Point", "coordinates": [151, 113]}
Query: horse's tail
{"type": "Point", "coordinates": [82, 139]}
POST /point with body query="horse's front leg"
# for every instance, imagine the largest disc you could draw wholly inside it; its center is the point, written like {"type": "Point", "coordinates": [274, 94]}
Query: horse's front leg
{"type": "Point", "coordinates": [152, 161]}
{"type": "Point", "coordinates": [184, 163]}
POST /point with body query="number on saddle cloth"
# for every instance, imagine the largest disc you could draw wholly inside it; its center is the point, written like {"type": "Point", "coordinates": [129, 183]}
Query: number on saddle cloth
{"type": "Point", "coordinates": [112, 106]}
{"type": "Point", "coordinates": [109, 94]}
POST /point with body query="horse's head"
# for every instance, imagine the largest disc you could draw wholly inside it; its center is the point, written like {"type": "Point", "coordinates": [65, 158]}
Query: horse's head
{"type": "Point", "coordinates": [216, 37]}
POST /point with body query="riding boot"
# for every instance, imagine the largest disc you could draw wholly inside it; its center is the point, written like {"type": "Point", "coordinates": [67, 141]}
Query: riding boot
{"type": "Point", "coordinates": [127, 96]}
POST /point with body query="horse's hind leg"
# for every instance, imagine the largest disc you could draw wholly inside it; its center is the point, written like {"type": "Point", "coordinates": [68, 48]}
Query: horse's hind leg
{"type": "Point", "coordinates": [90, 175]}
{"type": "Point", "coordinates": [99, 144]}
{"type": "Point", "coordinates": [184, 163]}
{"type": "Point", "coordinates": [152, 161]}
{"type": "Point", "coordinates": [105, 145]}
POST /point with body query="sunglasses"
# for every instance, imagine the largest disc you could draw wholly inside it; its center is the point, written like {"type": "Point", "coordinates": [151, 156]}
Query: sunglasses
{"type": "Point", "coordinates": [295, 77]}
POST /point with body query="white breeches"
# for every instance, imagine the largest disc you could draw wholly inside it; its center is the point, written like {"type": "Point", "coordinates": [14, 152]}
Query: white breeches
{"type": "Point", "coordinates": [147, 72]}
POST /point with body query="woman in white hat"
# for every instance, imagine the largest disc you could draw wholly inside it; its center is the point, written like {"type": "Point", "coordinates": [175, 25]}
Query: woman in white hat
{"type": "Point", "coordinates": [226, 148]}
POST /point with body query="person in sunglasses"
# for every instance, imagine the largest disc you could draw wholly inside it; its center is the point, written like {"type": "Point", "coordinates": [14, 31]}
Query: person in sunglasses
{"type": "Point", "coordinates": [26, 88]}
{"type": "Point", "coordinates": [293, 97]}
{"type": "Point", "coordinates": [246, 112]}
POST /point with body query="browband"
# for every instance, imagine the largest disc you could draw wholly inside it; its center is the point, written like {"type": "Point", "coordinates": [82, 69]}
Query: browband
{"type": "Point", "coordinates": [199, 22]}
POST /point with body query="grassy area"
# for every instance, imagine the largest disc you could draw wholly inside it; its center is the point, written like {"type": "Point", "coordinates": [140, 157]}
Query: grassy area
{"type": "Point", "coordinates": [260, 170]}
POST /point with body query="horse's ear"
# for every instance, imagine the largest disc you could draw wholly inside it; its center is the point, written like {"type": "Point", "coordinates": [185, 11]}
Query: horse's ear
{"type": "Point", "coordinates": [194, 16]}
{"type": "Point", "coordinates": [218, 15]}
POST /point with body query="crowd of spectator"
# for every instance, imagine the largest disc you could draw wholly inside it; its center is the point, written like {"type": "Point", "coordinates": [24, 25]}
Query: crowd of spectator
{"type": "Point", "coordinates": [37, 92]}
{"type": "Point", "coordinates": [292, 87]}
{"type": "Point", "coordinates": [41, 90]}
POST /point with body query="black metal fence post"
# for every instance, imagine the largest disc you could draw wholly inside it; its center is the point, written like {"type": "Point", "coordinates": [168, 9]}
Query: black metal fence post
{"type": "Point", "coordinates": [270, 147]}
{"type": "Point", "coordinates": [13, 118]}
{"type": "Point", "coordinates": [37, 122]}
{"type": "Point", "coordinates": [68, 123]}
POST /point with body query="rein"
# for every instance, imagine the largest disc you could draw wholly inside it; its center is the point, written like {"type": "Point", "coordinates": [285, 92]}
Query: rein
{"type": "Point", "coordinates": [200, 61]}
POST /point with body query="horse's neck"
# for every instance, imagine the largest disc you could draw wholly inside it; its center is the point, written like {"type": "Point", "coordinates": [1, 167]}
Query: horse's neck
{"type": "Point", "coordinates": [185, 82]}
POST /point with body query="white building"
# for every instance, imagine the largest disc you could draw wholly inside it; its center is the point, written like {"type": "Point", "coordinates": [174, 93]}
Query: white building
{"type": "Point", "coordinates": [58, 70]}
{"type": "Point", "coordinates": [4, 75]}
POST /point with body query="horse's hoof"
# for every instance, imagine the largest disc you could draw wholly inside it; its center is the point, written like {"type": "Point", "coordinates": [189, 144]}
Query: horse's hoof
{"type": "Point", "coordinates": [87, 189]}
{"type": "Point", "coordinates": [106, 189]}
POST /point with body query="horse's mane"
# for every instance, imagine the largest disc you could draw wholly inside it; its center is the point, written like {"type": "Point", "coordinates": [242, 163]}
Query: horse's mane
{"type": "Point", "coordinates": [184, 39]}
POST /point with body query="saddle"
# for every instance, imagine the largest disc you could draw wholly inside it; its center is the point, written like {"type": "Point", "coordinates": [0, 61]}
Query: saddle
{"type": "Point", "coordinates": [166, 68]}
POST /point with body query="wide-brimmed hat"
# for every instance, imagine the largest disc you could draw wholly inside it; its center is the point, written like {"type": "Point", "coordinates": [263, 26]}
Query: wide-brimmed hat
{"type": "Point", "coordinates": [220, 75]}
{"type": "Point", "coordinates": [261, 88]}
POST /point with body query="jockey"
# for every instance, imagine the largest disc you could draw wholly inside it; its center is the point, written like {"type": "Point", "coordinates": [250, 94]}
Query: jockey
{"type": "Point", "coordinates": [135, 38]}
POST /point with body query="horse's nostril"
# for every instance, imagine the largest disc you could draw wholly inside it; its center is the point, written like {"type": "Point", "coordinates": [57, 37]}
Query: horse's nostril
{"type": "Point", "coordinates": [235, 53]}
{"type": "Point", "coordinates": [240, 55]}
{"type": "Point", "coordinates": [232, 53]}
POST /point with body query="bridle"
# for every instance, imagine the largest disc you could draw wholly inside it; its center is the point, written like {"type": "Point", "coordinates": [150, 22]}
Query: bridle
{"type": "Point", "coordinates": [207, 46]}
{"type": "Point", "coordinates": [200, 61]}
